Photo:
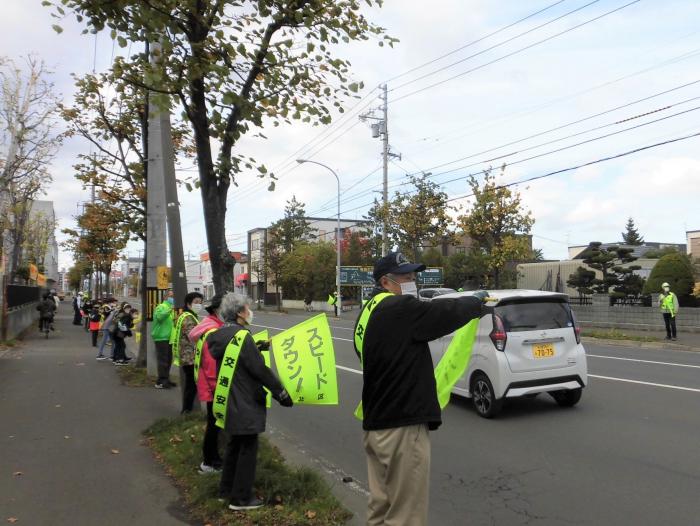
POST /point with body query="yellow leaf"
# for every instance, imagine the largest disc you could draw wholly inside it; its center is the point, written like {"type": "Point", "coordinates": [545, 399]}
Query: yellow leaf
{"type": "Point", "coordinates": [310, 514]}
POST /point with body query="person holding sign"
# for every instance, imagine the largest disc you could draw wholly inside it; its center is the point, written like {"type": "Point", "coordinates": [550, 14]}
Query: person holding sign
{"type": "Point", "coordinates": [205, 375]}
{"type": "Point", "coordinates": [399, 394]}
{"type": "Point", "coordinates": [239, 399]}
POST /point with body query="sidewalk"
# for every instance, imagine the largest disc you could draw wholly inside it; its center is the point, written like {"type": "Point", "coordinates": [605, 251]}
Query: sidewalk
{"type": "Point", "coordinates": [687, 341]}
{"type": "Point", "coordinates": [71, 438]}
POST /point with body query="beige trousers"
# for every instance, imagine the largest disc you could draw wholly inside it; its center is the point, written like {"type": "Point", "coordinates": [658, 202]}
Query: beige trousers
{"type": "Point", "coordinates": [398, 469]}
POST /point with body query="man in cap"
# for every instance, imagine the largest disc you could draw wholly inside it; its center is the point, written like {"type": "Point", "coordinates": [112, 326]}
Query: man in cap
{"type": "Point", "coordinates": [399, 395]}
{"type": "Point", "coordinates": [668, 302]}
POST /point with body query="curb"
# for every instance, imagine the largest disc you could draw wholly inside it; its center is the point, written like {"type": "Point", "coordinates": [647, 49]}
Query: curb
{"type": "Point", "coordinates": [642, 345]}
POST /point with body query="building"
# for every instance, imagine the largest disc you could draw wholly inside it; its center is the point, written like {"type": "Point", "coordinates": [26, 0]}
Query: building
{"type": "Point", "coordinates": [323, 229]}
{"type": "Point", "coordinates": [42, 214]}
{"type": "Point", "coordinates": [693, 243]}
{"type": "Point", "coordinates": [638, 251]}
{"type": "Point", "coordinates": [200, 277]}
{"type": "Point", "coordinates": [130, 270]}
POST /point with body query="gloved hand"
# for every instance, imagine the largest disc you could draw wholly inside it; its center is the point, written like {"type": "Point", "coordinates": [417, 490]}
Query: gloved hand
{"type": "Point", "coordinates": [482, 295]}
{"type": "Point", "coordinates": [284, 399]}
{"type": "Point", "coordinates": [263, 345]}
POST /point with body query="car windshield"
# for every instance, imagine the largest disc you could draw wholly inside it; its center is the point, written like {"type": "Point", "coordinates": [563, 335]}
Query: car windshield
{"type": "Point", "coordinates": [534, 314]}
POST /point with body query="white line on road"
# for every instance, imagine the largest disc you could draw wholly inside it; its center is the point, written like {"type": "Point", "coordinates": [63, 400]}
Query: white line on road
{"type": "Point", "coordinates": [283, 329]}
{"type": "Point", "coordinates": [678, 387]}
{"type": "Point", "coordinates": [643, 361]}
{"type": "Point", "coordinates": [342, 368]}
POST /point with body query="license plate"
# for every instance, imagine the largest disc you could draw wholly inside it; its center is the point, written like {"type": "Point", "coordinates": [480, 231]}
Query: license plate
{"type": "Point", "coordinates": [543, 350]}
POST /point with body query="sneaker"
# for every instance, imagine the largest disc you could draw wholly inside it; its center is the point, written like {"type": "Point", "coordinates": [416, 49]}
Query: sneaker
{"type": "Point", "coordinates": [205, 469]}
{"type": "Point", "coordinates": [159, 386]}
{"type": "Point", "coordinates": [674, 339]}
{"type": "Point", "coordinates": [121, 362]}
{"type": "Point", "coordinates": [252, 504]}
{"type": "Point", "coordinates": [101, 358]}
{"type": "Point", "coordinates": [127, 359]}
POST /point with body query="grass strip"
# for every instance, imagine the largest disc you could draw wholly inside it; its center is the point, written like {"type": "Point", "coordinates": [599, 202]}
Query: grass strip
{"type": "Point", "coordinates": [616, 334]}
{"type": "Point", "coordinates": [135, 376]}
{"type": "Point", "coordinates": [294, 495]}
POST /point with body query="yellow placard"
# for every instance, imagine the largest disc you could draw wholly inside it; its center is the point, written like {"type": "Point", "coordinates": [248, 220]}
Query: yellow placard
{"type": "Point", "coordinates": [33, 271]}
{"type": "Point", "coordinates": [162, 277]}
{"type": "Point", "coordinates": [41, 280]}
{"type": "Point", "coordinates": [305, 361]}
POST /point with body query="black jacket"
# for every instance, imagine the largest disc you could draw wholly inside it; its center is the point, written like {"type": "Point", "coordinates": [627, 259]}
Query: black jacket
{"type": "Point", "coordinates": [399, 383]}
{"type": "Point", "coordinates": [46, 308]}
{"type": "Point", "coordinates": [245, 412]}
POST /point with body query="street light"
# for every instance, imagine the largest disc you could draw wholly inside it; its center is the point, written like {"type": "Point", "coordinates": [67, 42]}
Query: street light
{"type": "Point", "coordinates": [337, 234]}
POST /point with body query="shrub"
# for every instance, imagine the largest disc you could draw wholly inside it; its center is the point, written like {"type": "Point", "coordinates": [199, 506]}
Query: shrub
{"type": "Point", "coordinates": [674, 269]}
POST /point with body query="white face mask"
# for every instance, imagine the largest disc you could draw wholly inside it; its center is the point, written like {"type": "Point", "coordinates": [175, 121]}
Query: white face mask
{"type": "Point", "coordinates": [667, 289]}
{"type": "Point", "coordinates": [197, 308]}
{"type": "Point", "coordinates": [409, 289]}
{"type": "Point", "coordinates": [249, 319]}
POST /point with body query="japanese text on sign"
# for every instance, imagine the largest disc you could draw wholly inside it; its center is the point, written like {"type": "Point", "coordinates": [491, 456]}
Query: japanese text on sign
{"type": "Point", "coordinates": [305, 362]}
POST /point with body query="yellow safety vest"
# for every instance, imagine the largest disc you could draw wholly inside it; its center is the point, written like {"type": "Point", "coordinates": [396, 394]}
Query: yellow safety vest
{"type": "Point", "coordinates": [175, 337]}
{"type": "Point", "coordinates": [198, 352]}
{"type": "Point", "coordinates": [225, 379]}
{"type": "Point", "coordinates": [668, 303]}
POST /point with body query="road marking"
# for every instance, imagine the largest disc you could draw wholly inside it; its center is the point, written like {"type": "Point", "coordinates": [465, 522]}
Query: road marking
{"type": "Point", "coordinates": [283, 329]}
{"type": "Point", "coordinates": [678, 387]}
{"type": "Point", "coordinates": [643, 361]}
{"type": "Point", "coordinates": [342, 368]}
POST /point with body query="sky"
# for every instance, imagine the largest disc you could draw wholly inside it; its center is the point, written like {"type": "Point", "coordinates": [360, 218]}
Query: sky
{"type": "Point", "coordinates": [509, 98]}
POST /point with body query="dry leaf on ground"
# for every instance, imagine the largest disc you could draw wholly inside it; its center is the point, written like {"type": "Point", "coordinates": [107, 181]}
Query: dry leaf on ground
{"type": "Point", "coordinates": [18, 474]}
{"type": "Point", "coordinates": [12, 520]}
{"type": "Point", "coordinates": [310, 514]}
{"type": "Point", "coordinates": [114, 451]}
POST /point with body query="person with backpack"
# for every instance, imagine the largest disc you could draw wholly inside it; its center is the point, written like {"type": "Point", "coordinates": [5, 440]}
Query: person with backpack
{"type": "Point", "coordinates": [46, 308]}
{"type": "Point", "coordinates": [183, 348]}
{"type": "Point", "coordinates": [121, 329]}
{"type": "Point", "coordinates": [96, 320]}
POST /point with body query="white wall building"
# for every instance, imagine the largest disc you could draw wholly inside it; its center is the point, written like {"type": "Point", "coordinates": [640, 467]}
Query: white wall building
{"type": "Point", "coordinates": [43, 211]}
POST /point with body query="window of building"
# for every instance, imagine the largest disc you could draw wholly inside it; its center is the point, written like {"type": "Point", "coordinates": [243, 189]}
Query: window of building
{"type": "Point", "coordinates": [460, 250]}
{"type": "Point", "coordinates": [255, 244]}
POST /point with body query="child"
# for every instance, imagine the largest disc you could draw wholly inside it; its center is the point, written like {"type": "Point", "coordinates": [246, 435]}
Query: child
{"type": "Point", "coordinates": [95, 322]}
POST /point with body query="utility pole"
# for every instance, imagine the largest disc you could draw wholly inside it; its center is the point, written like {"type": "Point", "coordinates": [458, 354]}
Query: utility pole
{"type": "Point", "coordinates": [385, 160]}
{"type": "Point", "coordinates": [155, 223]}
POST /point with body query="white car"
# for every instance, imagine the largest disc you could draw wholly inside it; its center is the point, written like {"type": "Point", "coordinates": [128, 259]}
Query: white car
{"type": "Point", "coordinates": [528, 343]}
{"type": "Point", "coordinates": [431, 293]}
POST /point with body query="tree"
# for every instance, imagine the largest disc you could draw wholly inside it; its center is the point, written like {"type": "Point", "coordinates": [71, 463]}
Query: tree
{"type": "Point", "coordinates": [677, 270]}
{"type": "Point", "coordinates": [27, 107]}
{"type": "Point", "coordinates": [537, 254]}
{"type": "Point", "coordinates": [497, 223]}
{"type": "Point", "coordinates": [36, 239]}
{"type": "Point", "coordinates": [468, 271]}
{"type": "Point", "coordinates": [583, 280]}
{"type": "Point", "coordinates": [98, 242]}
{"type": "Point", "coordinates": [310, 268]}
{"type": "Point", "coordinates": [355, 249]}
{"type": "Point", "coordinates": [432, 258]}
{"type": "Point", "coordinates": [658, 253]}
{"type": "Point", "coordinates": [618, 277]}
{"type": "Point", "coordinates": [374, 228]}
{"type": "Point", "coordinates": [418, 219]}
{"type": "Point", "coordinates": [234, 66]}
{"type": "Point", "coordinates": [631, 236]}
{"type": "Point", "coordinates": [293, 227]}
{"type": "Point", "coordinates": [273, 253]}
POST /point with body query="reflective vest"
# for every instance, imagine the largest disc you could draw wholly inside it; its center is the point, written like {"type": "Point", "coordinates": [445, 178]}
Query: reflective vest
{"type": "Point", "coordinates": [175, 336]}
{"type": "Point", "coordinates": [198, 349]}
{"type": "Point", "coordinates": [668, 303]}
{"type": "Point", "coordinates": [225, 379]}
{"type": "Point", "coordinates": [361, 330]}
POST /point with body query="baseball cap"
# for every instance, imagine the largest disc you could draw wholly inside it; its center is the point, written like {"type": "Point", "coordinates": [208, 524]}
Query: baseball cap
{"type": "Point", "coordinates": [395, 263]}
{"type": "Point", "coordinates": [665, 284]}
{"type": "Point", "coordinates": [213, 304]}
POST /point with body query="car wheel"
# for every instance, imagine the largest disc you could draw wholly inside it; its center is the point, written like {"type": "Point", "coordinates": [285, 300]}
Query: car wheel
{"type": "Point", "coordinates": [483, 397]}
{"type": "Point", "coordinates": [567, 398]}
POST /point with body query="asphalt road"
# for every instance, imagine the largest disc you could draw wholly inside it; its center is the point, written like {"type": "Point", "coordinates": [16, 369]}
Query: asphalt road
{"type": "Point", "coordinates": [627, 454]}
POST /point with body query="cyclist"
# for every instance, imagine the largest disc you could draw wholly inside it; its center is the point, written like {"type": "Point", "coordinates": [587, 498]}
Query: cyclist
{"type": "Point", "coordinates": [46, 309]}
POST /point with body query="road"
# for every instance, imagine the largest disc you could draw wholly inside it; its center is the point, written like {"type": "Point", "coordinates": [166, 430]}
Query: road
{"type": "Point", "coordinates": [627, 454]}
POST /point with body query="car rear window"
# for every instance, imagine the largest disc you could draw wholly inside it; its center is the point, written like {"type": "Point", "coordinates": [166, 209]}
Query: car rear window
{"type": "Point", "coordinates": [534, 314]}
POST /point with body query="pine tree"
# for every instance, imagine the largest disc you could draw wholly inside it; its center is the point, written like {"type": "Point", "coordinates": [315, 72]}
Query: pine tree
{"type": "Point", "coordinates": [631, 236]}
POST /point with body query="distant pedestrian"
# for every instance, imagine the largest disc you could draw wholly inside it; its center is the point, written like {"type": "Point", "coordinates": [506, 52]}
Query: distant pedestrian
{"type": "Point", "coordinates": [77, 317]}
{"type": "Point", "coordinates": [96, 320]}
{"type": "Point", "coordinates": [183, 348]}
{"type": "Point", "coordinates": [206, 376]}
{"type": "Point", "coordinates": [109, 311]}
{"type": "Point", "coordinates": [668, 302]}
{"type": "Point", "coordinates": [307, 302]}
{"type": "Point", "coordinates": [86, 308]}
{"type": "Point", "coordinates": [46, 309]}
{"type": "Point", "coordinates": [333, 301]}
{"type": "Point", "coordinates": [245, 414]}
{"type": "Point", "coordinates": [160, 332]}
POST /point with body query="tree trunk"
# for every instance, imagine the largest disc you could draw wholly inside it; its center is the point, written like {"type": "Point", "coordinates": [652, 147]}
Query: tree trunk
{"type": "Point", "coordinates": [108, 288]}
{"type": "Point", "coordinates": [213, 194]}
{"type": "Point", "coordinates": [496, 278]}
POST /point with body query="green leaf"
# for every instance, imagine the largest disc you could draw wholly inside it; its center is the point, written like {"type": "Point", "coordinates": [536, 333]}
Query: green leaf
{"type": "Point", "coordinates": [122, 41]}
{"type": "Point", "coordinates": [58, 29]}
{"type": "Point", "coordinates": [354, 87]}
{"type": "Point", "coordinates": [271, 187]}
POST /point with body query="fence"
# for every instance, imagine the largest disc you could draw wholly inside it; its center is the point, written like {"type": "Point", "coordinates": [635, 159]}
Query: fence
{"type": "Point", "coordinates": [18, 295]}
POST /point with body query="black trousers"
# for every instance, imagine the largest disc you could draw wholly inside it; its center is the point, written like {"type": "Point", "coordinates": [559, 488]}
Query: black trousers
{"type": "Point", "coordinates": [119, 349]}
{"type": "Point", "coordinates": [189, 387]}
{"type": "Point", "coordinates": [77, 317]}
{"type": "Point", "coordinates": [670, 322]}
{"type": "Point", "coordinates": [164, 356]}
{"type": "Point", "coordinates": [238, 474]}
{"type": "Point", "coordinates": [210, 447]}
{"type": "Point", "coordinates": [94, 338]}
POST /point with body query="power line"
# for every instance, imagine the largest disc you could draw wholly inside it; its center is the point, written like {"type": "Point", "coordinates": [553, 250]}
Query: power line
{"type": "Point", "coordinates": [516, 52]}
{"type": "Point", "coordinates": [472, 42]}
{"type": "Point", "coordinates": [499, 44]}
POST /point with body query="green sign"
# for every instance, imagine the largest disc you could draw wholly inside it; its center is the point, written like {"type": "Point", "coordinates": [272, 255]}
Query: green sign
{"type": "Point", "coordinates": [362, 276]}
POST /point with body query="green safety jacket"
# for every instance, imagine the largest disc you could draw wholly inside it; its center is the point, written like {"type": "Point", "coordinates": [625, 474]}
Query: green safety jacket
{"type": "Point", "coordinates": [162, 322]}
{"type": "Point", "coordinates": [669, 303]}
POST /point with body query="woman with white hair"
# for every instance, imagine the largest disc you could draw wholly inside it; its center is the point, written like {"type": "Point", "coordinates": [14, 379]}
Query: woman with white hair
{"type": "Point", "coordinates": [245, 412]}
